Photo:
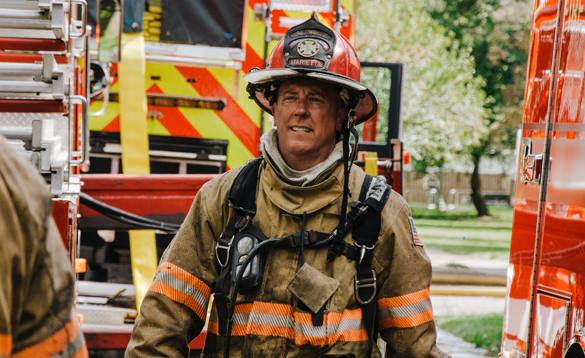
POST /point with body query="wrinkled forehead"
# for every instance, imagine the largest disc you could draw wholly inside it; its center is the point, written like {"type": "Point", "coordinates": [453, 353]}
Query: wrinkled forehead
{"type": "Point", "coordinates": [310, 86]}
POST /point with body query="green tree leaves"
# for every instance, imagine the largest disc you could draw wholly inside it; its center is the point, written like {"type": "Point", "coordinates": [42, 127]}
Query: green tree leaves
{"type": "Point", "coordinates": [443, 102]}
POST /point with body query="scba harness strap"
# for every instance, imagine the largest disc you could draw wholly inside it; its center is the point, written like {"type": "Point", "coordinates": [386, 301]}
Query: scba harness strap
{"type": "Point", "coordinates": [240, 235]}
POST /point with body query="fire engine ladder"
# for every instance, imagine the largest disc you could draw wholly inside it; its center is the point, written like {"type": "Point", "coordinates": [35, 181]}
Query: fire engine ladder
{"type": "Point", "coordinates": [41, 47]}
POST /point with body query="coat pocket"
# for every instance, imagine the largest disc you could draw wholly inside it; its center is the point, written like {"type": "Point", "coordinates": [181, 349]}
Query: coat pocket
{"type": "Point", "coordinates": [312, 287]}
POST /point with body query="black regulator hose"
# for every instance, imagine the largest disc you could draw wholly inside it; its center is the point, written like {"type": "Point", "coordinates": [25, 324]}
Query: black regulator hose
{"type": "Point", "coordinates": [250, 256]}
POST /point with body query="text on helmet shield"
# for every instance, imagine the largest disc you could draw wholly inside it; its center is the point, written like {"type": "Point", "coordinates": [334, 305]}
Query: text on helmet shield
{"type": "Point", "coordinates": [300, 62]}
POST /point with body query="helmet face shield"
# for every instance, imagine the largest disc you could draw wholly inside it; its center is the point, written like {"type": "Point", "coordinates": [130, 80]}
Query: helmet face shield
{"type": "Point", "coordinates": [312, 50]}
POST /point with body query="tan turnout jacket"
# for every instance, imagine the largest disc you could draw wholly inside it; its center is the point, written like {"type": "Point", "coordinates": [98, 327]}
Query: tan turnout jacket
{"type": "Point", "coordinates": [37, 319]}
{"type": "Point", "coordinates": [268, 322]}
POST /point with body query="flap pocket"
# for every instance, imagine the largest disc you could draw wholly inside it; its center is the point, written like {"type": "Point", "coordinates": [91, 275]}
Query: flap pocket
{"type": "Point", "coordinates": [312, 287]}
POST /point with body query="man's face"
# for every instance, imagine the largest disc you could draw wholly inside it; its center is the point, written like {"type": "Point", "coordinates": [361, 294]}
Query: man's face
{"type": "Point", "coordinates": [307, 115]}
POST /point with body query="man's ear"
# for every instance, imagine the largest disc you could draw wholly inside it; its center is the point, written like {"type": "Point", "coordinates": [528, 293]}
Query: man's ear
{"type": "Point", "coordinates": [341, 115]}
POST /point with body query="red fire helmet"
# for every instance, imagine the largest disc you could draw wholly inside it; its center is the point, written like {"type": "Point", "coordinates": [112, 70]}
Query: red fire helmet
{"type": "Point", "coordinates": [312, 50]}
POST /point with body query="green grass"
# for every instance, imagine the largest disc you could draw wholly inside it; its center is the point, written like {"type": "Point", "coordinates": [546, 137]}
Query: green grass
{"type": "Point", "coordinates": [484, 331]}
{"type": "Point", "coordinates": [460, 231]}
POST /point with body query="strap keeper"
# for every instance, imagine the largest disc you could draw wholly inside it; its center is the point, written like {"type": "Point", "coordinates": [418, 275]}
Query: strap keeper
{"type": "Point", "coordinates": [228, 248]}
{"type": "Point", "coordinates": [365, 283]}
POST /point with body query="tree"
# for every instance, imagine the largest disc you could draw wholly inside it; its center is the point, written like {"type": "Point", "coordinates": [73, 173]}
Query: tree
{"type": "Point", "coordinates": [496, 33]}
{"type": "Point", "coordinates": [443, 102]}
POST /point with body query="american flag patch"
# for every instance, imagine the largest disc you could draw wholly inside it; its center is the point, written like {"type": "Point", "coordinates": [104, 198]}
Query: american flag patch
{"type": "Point", "coordinates": [417, 241]}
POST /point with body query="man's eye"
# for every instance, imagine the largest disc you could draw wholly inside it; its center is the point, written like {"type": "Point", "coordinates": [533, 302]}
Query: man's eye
{"type": "Point", "coordinates": [314, 99]}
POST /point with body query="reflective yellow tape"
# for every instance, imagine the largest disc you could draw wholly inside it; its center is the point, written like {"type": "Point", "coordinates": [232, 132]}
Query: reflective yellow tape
{"type": "Point", "coordinates": [135, 159]}
{"type": "Point", "coordinates": [143, 259]}
{"type": "Point", "coordinates": [132, 101]}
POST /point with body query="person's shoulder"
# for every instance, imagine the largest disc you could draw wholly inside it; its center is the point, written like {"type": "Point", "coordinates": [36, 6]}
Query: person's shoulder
{"type": "Point", "coordinates": [28, 190]}
{"type": "Point", "coordinates": [222, 183]}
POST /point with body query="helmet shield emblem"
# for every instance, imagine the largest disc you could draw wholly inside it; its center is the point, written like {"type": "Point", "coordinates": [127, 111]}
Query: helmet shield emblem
{"type": "Point", "coordinates": [309, 46]}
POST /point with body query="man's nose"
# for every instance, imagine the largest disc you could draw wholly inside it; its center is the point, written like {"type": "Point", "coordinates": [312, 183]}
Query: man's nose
{"type": "Point", "coordinates": [301, 109]}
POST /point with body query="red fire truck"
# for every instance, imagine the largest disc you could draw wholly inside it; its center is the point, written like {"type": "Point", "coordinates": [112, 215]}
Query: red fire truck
{"type": "Point", "coordinates": [545, 301]}
{"type": "Point", "coordinates": [200, 121]}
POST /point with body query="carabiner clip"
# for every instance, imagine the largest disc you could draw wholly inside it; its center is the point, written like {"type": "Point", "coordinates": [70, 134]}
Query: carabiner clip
{"type": "Point", "coordinates": [363, 251]}
{"type": "Point", "coordinates": [228, 249]}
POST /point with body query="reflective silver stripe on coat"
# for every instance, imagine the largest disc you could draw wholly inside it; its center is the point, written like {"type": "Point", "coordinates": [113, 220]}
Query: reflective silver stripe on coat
{"type": "Point", "coordinates": [181, 286]}
{"type": "Point", "coordinates": [272, 320]}
{"type": "Point", "coordinates": [73, 347]}
{"type": "Point", "coordinates": [289, 322]}
{"type": "Point", "coordinates": [330, 329]}
{"type": "Point", "coordinates": [406, 311]}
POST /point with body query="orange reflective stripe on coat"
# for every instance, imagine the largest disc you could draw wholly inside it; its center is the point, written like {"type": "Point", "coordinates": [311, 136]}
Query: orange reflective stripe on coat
{"type": "Point", "coordinates": [182, 287]}
{"type": "Point", "coordinates": [68, 342]}
{"type": "Point", "coordinates": [5, 345]}
{"type": "Point", "coordinates": [405, 311]}
{"type": "Point", "coordinates": [272, 319]}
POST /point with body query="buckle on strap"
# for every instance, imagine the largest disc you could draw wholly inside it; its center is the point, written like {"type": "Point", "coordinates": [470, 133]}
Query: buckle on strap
{"type": "Point", "coordinates": [227, 248]}
{"type": "Point", "coordinates": [363, 253]}
{"type": "Point", "coordinates": [365, 283]}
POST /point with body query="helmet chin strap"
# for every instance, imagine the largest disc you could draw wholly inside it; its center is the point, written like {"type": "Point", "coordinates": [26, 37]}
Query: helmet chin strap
{"type": "Point", "coordinates": [347, 164]}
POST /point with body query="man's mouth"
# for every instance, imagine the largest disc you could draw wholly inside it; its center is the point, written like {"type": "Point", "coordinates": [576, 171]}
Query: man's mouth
{"type": "Point", "coordinates": [301, 129]}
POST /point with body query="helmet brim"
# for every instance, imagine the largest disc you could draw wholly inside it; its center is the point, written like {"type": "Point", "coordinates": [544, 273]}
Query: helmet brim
{"type": "Point", "coordinates": [365, 109]}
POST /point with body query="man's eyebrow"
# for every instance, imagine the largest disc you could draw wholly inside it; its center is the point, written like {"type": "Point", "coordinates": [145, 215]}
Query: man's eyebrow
{"type": "Point", "coordinates": [290, 91]}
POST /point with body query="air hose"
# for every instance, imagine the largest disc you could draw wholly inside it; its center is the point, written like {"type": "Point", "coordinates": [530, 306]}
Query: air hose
{"type": "Point", "coordinates": [126, 217]}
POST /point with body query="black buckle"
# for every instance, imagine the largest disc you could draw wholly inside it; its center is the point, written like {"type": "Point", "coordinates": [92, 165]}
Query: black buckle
{"type": "Point", "coordinates": [365, 283]}
{"type": "Point", "coordinates": [228, 248]}
{"type": "Point", "coordinates": [243, 223]}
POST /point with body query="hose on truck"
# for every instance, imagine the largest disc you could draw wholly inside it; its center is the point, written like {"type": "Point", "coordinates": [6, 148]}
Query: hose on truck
{"type": "Point", "coordinates": [125, 217]}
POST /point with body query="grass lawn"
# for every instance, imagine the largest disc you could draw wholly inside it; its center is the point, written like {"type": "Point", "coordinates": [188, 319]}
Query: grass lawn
{"type": "Point", "coordinates": [483, 331]}
{"type": "Point", "coordinates": [460, 231]}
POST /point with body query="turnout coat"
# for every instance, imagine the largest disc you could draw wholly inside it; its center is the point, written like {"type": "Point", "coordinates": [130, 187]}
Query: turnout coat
{"type": "Point", "coordinates": [37, 318]}
{"type": "Point", "coordinates": [269, 321]}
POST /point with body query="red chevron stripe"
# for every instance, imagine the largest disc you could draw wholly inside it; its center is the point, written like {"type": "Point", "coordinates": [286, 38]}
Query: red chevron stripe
{"type": "Point", "coordinates": [252, 59]}
{"type": "Point", "coordinates": [233, 116]}
{"type": "Point", "coordinates": [113, 126]}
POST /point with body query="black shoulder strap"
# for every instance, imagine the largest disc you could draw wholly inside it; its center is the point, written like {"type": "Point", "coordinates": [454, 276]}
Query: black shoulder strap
{"type": "Point", "coordinates": [242, 195]}
{"type": "Point", "coordinates": [375, 193]}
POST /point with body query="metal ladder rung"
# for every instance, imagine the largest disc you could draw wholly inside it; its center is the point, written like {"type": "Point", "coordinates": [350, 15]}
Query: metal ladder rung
{"type": "Point", "coordinates": [25, 87]}
{"type": "Point", "coordinates": [26, 5]}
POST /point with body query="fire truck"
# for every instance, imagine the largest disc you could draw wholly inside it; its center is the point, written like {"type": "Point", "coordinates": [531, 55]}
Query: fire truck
{"type": "Point", "coordinates": [62, 107]}
{"type": "Point", "coordinates": [545, 301]}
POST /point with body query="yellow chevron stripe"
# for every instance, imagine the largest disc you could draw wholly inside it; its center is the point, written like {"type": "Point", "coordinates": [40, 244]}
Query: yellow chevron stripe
{"type": "Point", "coordinates": [171, 80]}
{"type": "Point", "coordinates": [255, 33]}
{"type": "Point", "coordinates": [208, 123]}
{"type": "Point", "coordinates": [98, 123]}
{"type": "Point", "coordinates": [156, 128]}
{"type": "Point", "coordinates": [349, 5]}
{"type": "Point", "coordinates": [205, 121]}
{"type": "Point", "coordinates": [226, 78]}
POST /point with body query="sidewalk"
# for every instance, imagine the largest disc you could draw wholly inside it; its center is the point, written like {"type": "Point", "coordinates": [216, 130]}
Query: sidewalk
{"type": "Point", "coordinates": [464, 305]}
{"type": "Point", "coordinates": [456, 347]}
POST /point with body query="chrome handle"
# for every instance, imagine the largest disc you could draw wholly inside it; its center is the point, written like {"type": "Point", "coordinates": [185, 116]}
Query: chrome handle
{"type": "Point", "coordinates": [85, 130]}
{"type": "Point", "coordinates": [531, 170]}
{"type": "Point", "coordinates": [83, 4]}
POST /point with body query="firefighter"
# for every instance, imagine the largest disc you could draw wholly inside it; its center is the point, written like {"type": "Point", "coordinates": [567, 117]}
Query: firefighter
{"type": "Point", "coordinates": [37, 317]}
{"type": "Point", "coordinates": [299, 267]}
